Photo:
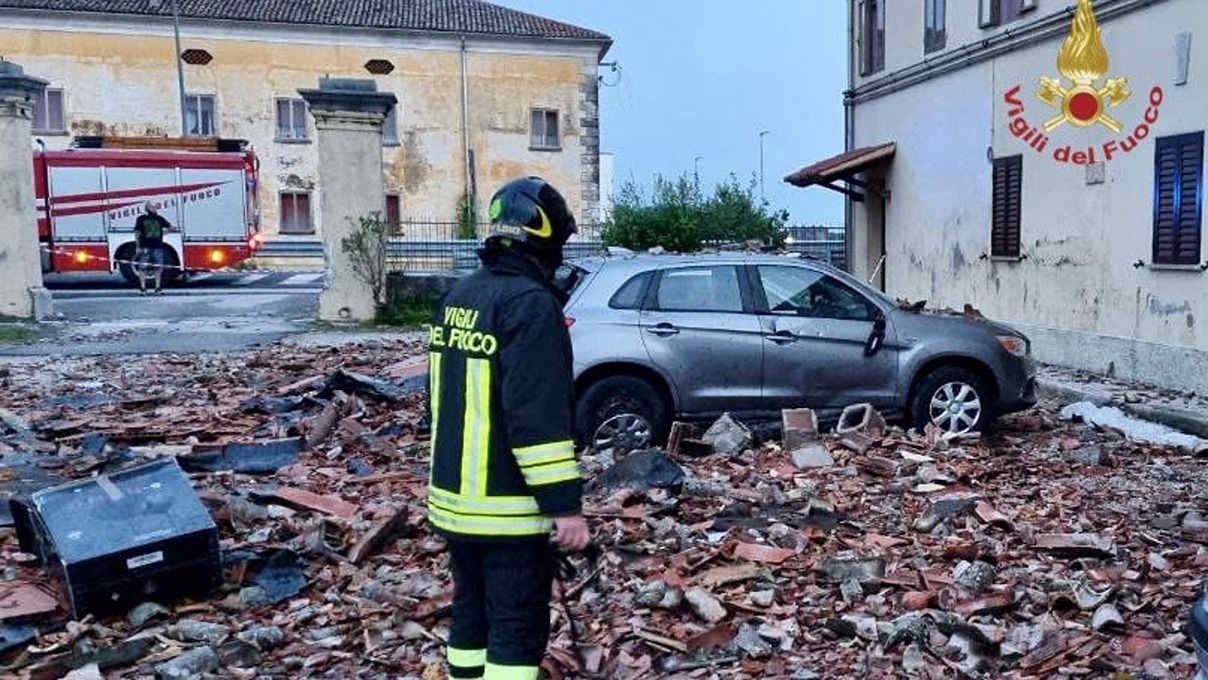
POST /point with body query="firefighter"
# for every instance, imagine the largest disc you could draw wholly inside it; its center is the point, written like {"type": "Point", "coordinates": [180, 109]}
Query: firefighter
{"type": "Point", "coordinates": [504, 473]}
{"type": "Point", "coordinates": [149, 231]}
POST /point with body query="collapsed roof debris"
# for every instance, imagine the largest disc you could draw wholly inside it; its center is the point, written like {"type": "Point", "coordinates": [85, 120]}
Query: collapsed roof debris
{"type": "Point", "coordinates": [1048, 548]}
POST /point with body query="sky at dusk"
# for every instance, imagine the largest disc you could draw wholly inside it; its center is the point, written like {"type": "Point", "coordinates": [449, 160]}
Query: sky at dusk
{"type": "Point", "coordinates": [704, 78]}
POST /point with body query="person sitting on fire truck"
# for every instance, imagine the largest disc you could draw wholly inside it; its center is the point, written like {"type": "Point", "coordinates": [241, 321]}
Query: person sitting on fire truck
{"type": "Point", "coordinates": [149, 239]}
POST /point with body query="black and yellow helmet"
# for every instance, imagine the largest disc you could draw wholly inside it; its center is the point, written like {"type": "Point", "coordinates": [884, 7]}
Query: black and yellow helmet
{"type": "Point", "coordinates": [528, 210]}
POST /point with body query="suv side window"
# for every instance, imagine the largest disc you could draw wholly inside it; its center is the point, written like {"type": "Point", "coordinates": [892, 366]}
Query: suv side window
{"type": "Point", "coordinates": [629, 296]}
{"type": "Point", "coordinates": [699, 289]}
{"type": "Point", "coordinates": [805, 292]}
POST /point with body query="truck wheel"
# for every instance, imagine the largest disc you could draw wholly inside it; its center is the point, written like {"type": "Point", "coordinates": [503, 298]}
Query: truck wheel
{"type": "Point", "coordinates": [953, 399]}
{"type": "Point", "coordinates": [126, 254]}
{"type": "Point", "coordinates": [172, 272]}
{"type": "Point", "coordinates": [621, 412]}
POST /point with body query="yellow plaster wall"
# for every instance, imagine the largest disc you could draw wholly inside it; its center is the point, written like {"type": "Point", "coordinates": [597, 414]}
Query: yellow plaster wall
{"type": "Point", "coordinates": [126, 85]}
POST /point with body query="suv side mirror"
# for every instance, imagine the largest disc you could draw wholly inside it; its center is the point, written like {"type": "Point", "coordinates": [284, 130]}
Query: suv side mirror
{"type": "Point", "coordinates": [877, 337]}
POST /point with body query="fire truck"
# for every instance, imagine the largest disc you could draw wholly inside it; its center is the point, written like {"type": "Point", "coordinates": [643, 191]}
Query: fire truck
{"type": "Point", "coordinates": [89, 196]}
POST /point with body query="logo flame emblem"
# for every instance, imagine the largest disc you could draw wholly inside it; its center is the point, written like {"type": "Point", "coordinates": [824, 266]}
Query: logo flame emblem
{"type": "Point", "coordinates": [1083, 60]}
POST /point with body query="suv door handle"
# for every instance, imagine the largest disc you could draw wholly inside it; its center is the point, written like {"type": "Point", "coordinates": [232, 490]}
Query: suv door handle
{"type": "Point", "coordinates": [782, 337]}
{"type": "Point", "coordinates": [663, 329]}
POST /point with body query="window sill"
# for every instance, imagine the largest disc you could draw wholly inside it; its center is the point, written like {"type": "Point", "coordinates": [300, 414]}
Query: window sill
{"type": "Point", "coordinates": [544, 148]}
{"type": "Point", "coordinates": [1007, 258]}
{"type": "Point", "coordinates": [290, 140]}
{"type": "Point", "coordinates": [391, 145]}
{"type": "Point", "coordinates": [50, 133]}
{"type": "Point", "coordinates": [1175, 268]}
{"type": "Point", "coordinates": [297, 233]}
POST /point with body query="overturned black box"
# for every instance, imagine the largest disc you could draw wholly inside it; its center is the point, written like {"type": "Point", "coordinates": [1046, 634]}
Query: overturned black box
{"type": "Point", "coordinates": [121, 539]}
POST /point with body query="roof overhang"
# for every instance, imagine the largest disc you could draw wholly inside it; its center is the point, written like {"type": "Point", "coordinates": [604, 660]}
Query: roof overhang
{"type": "Point", "coordinates": [844, 168]}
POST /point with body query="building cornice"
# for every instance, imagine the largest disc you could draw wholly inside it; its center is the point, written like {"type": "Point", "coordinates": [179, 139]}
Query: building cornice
{"type": "Point", "coordinates": [1015, 37]}
{"type": "Point", "coordinates": [221, 29]}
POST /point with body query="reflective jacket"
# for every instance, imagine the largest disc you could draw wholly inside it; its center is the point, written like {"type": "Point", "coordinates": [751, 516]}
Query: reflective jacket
{"type": "Point", "coordinates": [500, 365]}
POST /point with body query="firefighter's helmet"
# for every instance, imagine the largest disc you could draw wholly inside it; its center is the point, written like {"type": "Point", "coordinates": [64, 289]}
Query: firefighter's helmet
{"type": "Point", "coordinates": [529, 210]}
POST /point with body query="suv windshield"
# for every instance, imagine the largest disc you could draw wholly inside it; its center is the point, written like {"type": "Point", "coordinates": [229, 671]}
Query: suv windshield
{"type": "Point", "coordinates": [863, 287]}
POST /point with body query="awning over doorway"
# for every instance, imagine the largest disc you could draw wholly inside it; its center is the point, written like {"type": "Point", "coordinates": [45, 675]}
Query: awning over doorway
{"type": "Point", "coordinates": [843, 168]}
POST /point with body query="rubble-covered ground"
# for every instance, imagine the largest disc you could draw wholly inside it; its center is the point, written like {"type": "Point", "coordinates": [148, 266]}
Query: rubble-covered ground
{"type": "Point", "coordinates": [1047, 549]}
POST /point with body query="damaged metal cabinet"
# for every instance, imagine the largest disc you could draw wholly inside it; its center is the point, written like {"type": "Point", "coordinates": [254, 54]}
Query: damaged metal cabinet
{"type": "Point", "coordinates": [120, 539]}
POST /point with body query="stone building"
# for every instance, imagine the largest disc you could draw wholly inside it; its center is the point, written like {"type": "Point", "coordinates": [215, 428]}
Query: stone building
{"type": "Point", "coordinates": [485, 93]}
{"type": "Point", "coordinates": [1041, 160]}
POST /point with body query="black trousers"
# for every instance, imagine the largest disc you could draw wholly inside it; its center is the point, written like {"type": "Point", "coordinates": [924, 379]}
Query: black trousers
{"type": "Point", "coordinates": [501, 602]}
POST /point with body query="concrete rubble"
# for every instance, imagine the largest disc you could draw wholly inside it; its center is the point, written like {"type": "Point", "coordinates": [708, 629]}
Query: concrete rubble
{"type": "Point", "coordinates": [1047, 548]}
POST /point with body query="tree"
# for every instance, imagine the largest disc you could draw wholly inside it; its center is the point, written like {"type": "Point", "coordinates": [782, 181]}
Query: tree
{"type": "Point", "coordinates": [679, 218]}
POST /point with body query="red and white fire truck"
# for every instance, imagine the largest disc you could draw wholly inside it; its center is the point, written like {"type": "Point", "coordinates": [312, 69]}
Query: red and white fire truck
{"type": "Point", "coordinates": [89, 196]}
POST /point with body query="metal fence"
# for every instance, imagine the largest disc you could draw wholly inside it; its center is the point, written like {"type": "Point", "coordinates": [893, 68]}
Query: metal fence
{"type": "Point", "coordinates": [439, 246]}
{"type": "Point", "coordinates": [832, 252]}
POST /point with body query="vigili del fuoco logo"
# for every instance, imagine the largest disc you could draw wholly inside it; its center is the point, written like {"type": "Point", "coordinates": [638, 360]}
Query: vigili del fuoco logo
{"type": "Point", "coordinates": [1083, 100]}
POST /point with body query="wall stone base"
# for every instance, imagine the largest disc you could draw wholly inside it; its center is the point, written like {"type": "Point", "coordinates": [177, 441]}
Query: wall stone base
{"type": "Point", "coordinates": [401, 285]}
{"type": "Point", "coordinates": [1168, 366]}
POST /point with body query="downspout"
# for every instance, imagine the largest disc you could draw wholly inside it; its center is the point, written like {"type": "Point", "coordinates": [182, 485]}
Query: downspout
{"type": "Point", "coordinates": [465, 131]}
{"type": "Point", "coordinates": [849, 127]}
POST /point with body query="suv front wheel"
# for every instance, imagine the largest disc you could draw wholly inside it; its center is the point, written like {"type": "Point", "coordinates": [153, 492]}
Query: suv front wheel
{"type": "Point", "coordinates": [953, 399]}
{"type": "Point", "coordinates": [621, 412]}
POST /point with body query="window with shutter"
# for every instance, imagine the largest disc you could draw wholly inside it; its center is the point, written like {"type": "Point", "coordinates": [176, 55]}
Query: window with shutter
{"type": "Point", "coordinates": [993, 13]}
{"type": "Point", "coordinates": [544, 130]}
{"type": "Point", "coordinates": [1006, 208]}
{"type": "Point", "coordinates": [935, 25]}
{"type": "Point", "coordinates": [1178, 192]}
{"type": "Point", "coordinates": [291, 120]}
{"type": "Point", "coordinates": [200, 120]}
{"type": "Point", "coordinates": [872, 36]}
{"type": "Point", "coordinates": [392, 211]}
{"type": "Point", "coordinates": [48, 112]}
{"type": "Point", "coordinates": [295, 213]}
{"type": "Point", "coordinates": [390, 128]}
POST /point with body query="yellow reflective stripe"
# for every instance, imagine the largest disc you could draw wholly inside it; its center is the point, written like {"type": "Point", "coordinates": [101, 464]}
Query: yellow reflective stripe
{"type": "Point", "coordinates": [497, 672]}
{"type": "Point", "coordinates": [551, 474]}
{"type": "Point", "coordinates": [484, 437]}
{"type": "Point", "coordinates": [488, 526]}
{"type": "Point", "coordinates": [463, 511]}
{"type": "Point", "coordinates": [467, 658]}
{"type": "Point", "coordinates": [476, 428]}
{"type": "Point", "coordinates": [486, 504]}
{"type": "Point", "coordinates": [544, 453]}
{"type": "Point", "coordinates": [434, 361]}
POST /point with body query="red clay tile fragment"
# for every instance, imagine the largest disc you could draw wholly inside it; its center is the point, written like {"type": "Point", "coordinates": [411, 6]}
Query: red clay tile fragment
{"type": "Point", "coordinates": [762, 553]}
{"type": "Point", "coordinates": [331, 505]}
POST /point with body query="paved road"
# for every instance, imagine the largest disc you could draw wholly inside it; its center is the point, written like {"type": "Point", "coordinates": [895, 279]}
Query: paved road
{"type": "Point", "coordinates": [100, 314]}
{"type": "Point", "coordinates": [65, 286]}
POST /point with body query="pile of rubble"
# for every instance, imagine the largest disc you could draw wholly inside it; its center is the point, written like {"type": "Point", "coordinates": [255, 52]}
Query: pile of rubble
{"type": "Point", "coordinates": [1048, 549]}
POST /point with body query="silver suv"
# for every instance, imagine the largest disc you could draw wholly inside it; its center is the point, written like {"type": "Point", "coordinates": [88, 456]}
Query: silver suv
{"type": "Point", "coordinates": [658, 338]}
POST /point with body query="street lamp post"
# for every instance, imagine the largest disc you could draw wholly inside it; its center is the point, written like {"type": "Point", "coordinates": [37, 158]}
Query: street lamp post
{"type": "Point", "coordinates": [180, 69]}
{"type": "Point", "coordinates": [762, 196]}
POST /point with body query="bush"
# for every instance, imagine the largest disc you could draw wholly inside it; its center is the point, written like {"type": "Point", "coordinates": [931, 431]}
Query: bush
{"type": "Point", "coordinates": [408, 311]}
{"type": "Point", "coordinates": [366, 250]}
{"type": "Point", "coordinates": [678, 217]}
{"type": "Point", "coordinates": [467, 227]}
